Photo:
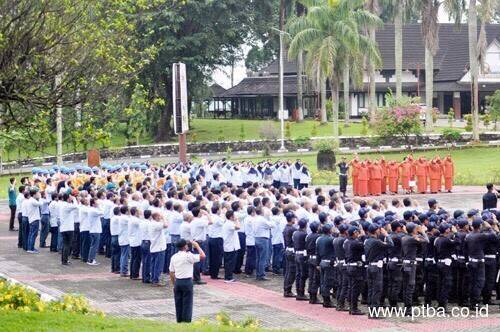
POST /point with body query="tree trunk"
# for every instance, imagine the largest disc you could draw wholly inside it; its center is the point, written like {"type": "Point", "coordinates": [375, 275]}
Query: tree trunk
{"type": "Point", "coordinates": [474, 68]}
{"type": "Point", "coordinates": [335, 105]}
{"type": "Point", "coordinates": [324, 118]}
{"type": "Point", "coordinates": [347, 101]}
{"type": "Point", "coordinates": [300, 69]}
{"type": "Point", "coordinates": [372, 102]}
{"type": "Point", "coordinates": [59, 127]}
{"type": "Point", "coordinates": [398, 47]}
{"type": "Point", "coordinates": [164, 129]}
{"type": "Point", "coordinates": [429, 89]}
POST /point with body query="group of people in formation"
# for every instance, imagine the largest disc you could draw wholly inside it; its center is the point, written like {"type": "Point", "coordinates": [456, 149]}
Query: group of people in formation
{"type": "Point", "coordinates": [247, 219]}
{"type": "Point", "coordinates": [376, 177]}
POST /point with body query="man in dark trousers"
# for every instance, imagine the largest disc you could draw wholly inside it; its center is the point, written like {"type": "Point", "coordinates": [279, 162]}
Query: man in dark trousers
{"type": "Point", "coordinates": [343, 175]}
{"type": "Point", "coordinates": [341, 267]}
{"type": "Point", "coordinates": [416, 236]}
{"type": "Point", "coordinates": [490, 199]}
{"type": "Point", "coordinates": [354, 250]}
{"type": "Point", "coordinates": [312, 263]}
{"type": "Point", "coordinates": [326, 256]}
{"type": "Point", "coordinates": [394, 264]}
{"type": "Point", "coordinates": [445, 246]}
{"type": "Point", "coordinates": [299, 246]}
{"type": "Point", "coordinates": [181, 276]}
{"type": "Point", "coordinates": [290, 266]}
{"type": "Point", "coordinates": [376, 246]}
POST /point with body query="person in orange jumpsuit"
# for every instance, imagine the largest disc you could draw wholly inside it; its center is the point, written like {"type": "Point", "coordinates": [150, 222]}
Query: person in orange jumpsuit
{"type": "Point", "coordinates": [449, 173]}
{"type": "Point", "coordinates": [392, 176]}
{"type": "Point", "coordinates": [383, 183]}
{"type": "Point", "coordinates": [421, 166]}
{"type": "Point", "coordinates": [413, 171]}
{"type": "Point", "coordinates": [435, 172]}
{"type": "Point", "coordinates": [375, 178]}
{"type": "Point", "coordinates": [363, 178]}
{"type": "Point", "coordinates": [405, 173]}
{"type": "Point", "coordinates": [355, 165]}
{"type": "Point", "coordinates": [371, 188]}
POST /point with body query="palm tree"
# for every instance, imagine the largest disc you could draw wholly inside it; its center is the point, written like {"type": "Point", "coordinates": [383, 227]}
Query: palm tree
{"type": "Point", "coordinates": [373, 7]}
{"type": "Point", "coordinates": [330, 34]}
{"type": "Point", "coordinates": [430, 29]}
{"type": "Point", "coordinates": [300, 70]}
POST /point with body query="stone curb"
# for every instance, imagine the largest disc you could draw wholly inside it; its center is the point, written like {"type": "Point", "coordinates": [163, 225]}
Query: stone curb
{"type": "Point", "coordinates": [43, 296]}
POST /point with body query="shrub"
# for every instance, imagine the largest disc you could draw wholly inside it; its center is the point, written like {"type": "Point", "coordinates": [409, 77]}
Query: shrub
{"type": "Point", "coordinates": [266, 152]}
{"type": "Point", "coordinates": [451, 117]}
{"type": "Point", "coordinates": [194, 137]}
{"type": "Point", "coordinates": [401, 117]}
{"type": "Point", "coordinates": [340, 131]}
{"type": "Point", "coordinates": [329, 110]}
{"type": "Point", "coordinates": [301, 141]}
{"type": "Point", "coordinates": [325, 145]}
{"type": "Point", "coordinates": [451, 135]}
{"type": "Point", "coordinates": [364, 126]}
{"type": "Point", "coordinates": [314, 130]}
{"type": "Point", "coordinates": [468, 120]}
{"type": "Point", "coordinates": [268, 131]}
{"type": "Point", "coordinates": [486, 119]}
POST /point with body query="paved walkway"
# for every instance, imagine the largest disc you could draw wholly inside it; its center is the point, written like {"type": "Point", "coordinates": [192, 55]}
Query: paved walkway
{"type": "Point", "coordinates": [126, 298]}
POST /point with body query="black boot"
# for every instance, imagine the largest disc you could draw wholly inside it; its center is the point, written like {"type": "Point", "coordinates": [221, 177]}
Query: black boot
{"type": "Point", "coordinates": [313, 299]}
{"type": "Point", "coordinates": [301, 297]}
{"type": "Point", "coordinates": [288, 294]}
{"type": "Point", "coordinates": [327, 303]}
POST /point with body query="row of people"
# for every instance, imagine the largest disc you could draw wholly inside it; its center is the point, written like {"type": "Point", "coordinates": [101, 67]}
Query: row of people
{"type": "Point", "coordinates": [375, 177]}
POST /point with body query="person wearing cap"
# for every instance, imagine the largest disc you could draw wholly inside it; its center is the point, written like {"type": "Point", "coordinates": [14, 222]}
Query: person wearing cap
{"type": "Point", "coordinates": [462, 281]}
{"type": "Point", "coordinates": [299, 246]}
{"type": "Point", "coordinates": [435, 175]}
{"type": "Point", "coordinates": [415, 238]}
{"type": "Point", "coordinates": [475, 243]}
{"type": "Point", "coordinates": [363, 178]}
{"type": "Point", "coordinates": [290, 265]}
{"type": "Point", "coordinates": [448, 172]}
{"type": "Point", "coordinates": [490, 198]}
{"type": "Point", "coordinates": [421, 172]}
{"type": "Point", "coordinates": [375, 182]}
{"type": "Point", "coordinates": [445, 246]}
{"type": "Point", "coordinates": [312, 263]}
{"type": "Point", "coordinates": [343, 175]}
{"type": "Point", "coordinates": [181, 276]}
{"type": "Point", "coordinates": [375, 248]}
{"type": "Point", "coordinates": [405, 171]}
{"type": "Point", "coordinates": [342, 281]}
{"type": "Point", "coordinates": [429, 267]}
{"type": "Point", "coordinates": [394, 263]}
{"type": "Point", "coordinates": [355, 165]}
{"type": "Point", "coordinates": [326, 257]}
{"type": "Point", "coordinates": [490, 257]}
{"type": "Point", "coordinates": [393, 176]}
{"type": "Point", "coordinates": [354, 250]}
{"type": "Point", "coordinates": [384, 169]}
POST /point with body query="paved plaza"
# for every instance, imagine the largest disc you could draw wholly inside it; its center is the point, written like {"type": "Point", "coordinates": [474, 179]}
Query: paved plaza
{"type": "Point", "coordinates": [263, 300]}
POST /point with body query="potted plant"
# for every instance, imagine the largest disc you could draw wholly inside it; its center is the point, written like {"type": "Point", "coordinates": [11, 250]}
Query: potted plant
{"type": "Point", "coordinates": [325, 158]}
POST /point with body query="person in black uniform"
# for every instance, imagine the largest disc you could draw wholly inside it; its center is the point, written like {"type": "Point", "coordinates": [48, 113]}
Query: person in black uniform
{"type": "Point", "coordinates": [326, 255]}
{"type": "Point", "coordinates": [463, 277]}
{"type": "Point", "coordinates": [312, 263]}
{"type": "Point", "coordinates": [490, 258]}
{"type": "Point", "coordinates": [354, 250]}
{"type": "Point", "coordinates": [431, 274]}
{"type": "Point", "coordinates": [490, 199]}
{"type": "Point", "coordinates": [445, 246]}
{"type": "Point", "coordinates": [290, 267]}
{"type": "Point", "coordinates": [341, 267]}
{"type": "Point", "coordinates": [299, 246]}
{"type": "Point", "coordinates": [475, 243]}
{"type": "Point", "coordinates": [394, 263]}
{"type": "Point", "coordinates": [376, 246]}
{"type": "Point", "coordinates": [343, 175]}
{"type": "Point", "coordinates": [415, 237]}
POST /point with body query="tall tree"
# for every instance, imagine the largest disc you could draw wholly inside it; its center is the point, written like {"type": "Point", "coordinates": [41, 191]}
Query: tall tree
{"type": "Point", "coordinates": [430, 32]}
{"type": "Point", "coordinates": [330, 35]}
{"type": "Point", "coordinates": [373, 7]}
{"type": "Point", "coordinates": [300, 69]}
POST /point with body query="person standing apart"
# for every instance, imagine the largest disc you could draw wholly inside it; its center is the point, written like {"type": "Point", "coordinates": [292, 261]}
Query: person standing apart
{"type": "Point", "coordinates": [181, 276]}
{"type": "Point", "coordinates": [12, 203]}
{"type": "Point", "coordinates": [343, 175]}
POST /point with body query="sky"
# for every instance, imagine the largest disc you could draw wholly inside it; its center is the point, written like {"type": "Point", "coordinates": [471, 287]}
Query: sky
{"type": "Point", "coordinates": [222, 76]}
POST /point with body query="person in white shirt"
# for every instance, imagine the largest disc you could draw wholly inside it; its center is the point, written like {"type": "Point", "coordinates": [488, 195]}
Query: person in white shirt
{"type": "Point", "coordinates": [215, 242]}
{"type": "Point", "coordinates": [199, 227]}
{"type": "Point", "coordinates": [251, 259]}
{"type": "Point", "coordinates": [114, 228]}
{"type": "Point", "coordinates": [25, 225]}
{"type": "Point", "coordinates": [134, 235]}
{"type": "Point", "coordinates": [158, 246]}
{"type": "Point", "coordinates": [185, 227]}
{"type": "Point", "coordinates": [84, 229]}
{"type": "Point", "coordinates": [123, 240]}
{"type": "Point", "coordinates": [54, 221]}
{"type": "Point", "coordinates": [145, 247]}
{"type": "Point", "coordinates": [181, 276]}
{"type": "Point", "coordinates": [175, 224]}
{"type": "Point", "coordinates": [94, 215]}
{"type": "Point", "coordinates": [33, 205]}
{"type": "Point", "coordinates": [231, 244]}
{"type": "Point", "coordinates": [19, 201]}
{"type": "Point", "coordinates": [277, 240]}
{"type": "Point", "coordinates": [107, 206]}
{"type": "Point", "coordinates": [67, 225]}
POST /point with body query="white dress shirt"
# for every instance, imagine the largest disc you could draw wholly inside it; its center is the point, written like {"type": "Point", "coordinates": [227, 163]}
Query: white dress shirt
{"type": "Point", "coordinates": [66, 216]}
{"type": "Point", "coordinates": [94, 216]}
{"type": "Point", "coordinates": [230, 237]}
{"type": "Point", "coordinates": [33, 209]}
{"type": "Point", "coordinates": [215, 229]}
{"type": "Point", "coordinates": [181, 264]}
{"type": "Point", "coordinates": [185, 230]}
{"type": "Point", "coordinates": [123, 231]}
{"type": "Point", "coordinates": [134, 234]}
{"type": "Point", "coordinates": [114, 225]}
{"type": "Point", "coordinates": [158, 242]}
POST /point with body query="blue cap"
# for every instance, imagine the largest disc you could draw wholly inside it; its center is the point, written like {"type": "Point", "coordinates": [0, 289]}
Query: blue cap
{"type": "Point", "coordinates": [343, 228]}
{"type": "Point", "coordinates": [407, 215]}
{"type": "Point", "coordinates": [362, 212]}
{"type": "Point", "coordinates": [338, 220]}
{"type": "Point", "coordinates": [458, 213]}
{"type": "Point", "coordinates": [434, 218]}
{"type": "Point", "coordinates": [314, 226]}
{"type": "Point", "coordinates": [303, 222]}
{"type": "Point", "coordinates": [289, 216]}
{"type": "Point", "coordinates": [327, 228]}
{"type": "Point", "coordinates": [352, 230]}
{"type": "Point", "coordinates": [389, 213]}
{"type": "Point", "coordinates": [378, 220]}
{"type": "Point", "coordinates": [373, 228]}
{"type": "Point", "coordinates": [443, 227]}
{"type": "Point", "coordinates": [477, 222]}
{"type": "Point", "coordinates": [410, 227]}
{"type": "Point", "coordinates": [472, 212]}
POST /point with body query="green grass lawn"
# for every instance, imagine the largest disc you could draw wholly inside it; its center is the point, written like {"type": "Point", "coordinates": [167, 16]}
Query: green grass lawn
{"type": "Point", "coordinates": [473, 166]}
{"type": "Point", "coordinates": [210, 130]}
{"type": "Point", "coordinates": [14, 321]}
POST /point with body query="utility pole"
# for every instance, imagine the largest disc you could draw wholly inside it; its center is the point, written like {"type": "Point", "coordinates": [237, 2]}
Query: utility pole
{"type": "Point", "coordinates": [59, 125]}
